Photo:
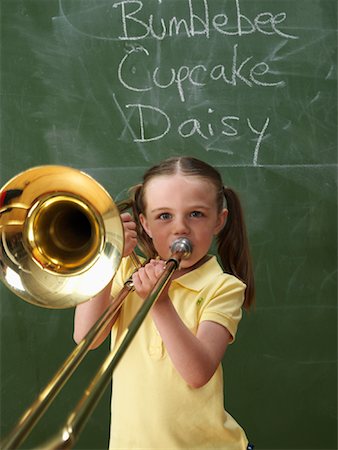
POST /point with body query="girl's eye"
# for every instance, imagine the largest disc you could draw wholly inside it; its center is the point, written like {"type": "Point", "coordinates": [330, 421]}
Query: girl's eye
{"type": "Point", "coordinates": [196, 214]}
{"type": "Point", "coordinates": [164, 216]}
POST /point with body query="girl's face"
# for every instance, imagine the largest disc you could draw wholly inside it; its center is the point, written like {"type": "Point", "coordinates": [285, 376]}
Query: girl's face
{"type": "Point", "coordinates": [181, 206]}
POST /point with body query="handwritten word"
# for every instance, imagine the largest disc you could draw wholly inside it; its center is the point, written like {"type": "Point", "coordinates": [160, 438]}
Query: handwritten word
{"type": "Point", "coordinates": [134, 28]}
{"type": "Point", "coordinates": [193, 126]}
{"type": "Point", "coordinates": [197, 75]}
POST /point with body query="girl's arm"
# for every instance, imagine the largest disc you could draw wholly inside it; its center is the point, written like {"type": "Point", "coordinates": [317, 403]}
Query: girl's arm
{"type": "Point", "coordinates": [86, 314]}
{"type": "Point", "coordinates": [195, 357]}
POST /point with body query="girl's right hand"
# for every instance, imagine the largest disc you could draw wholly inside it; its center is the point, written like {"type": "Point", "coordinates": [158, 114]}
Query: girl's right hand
{"type": "Point", "coordinates": [146, 277]}
{"type": "Point", "coordinates": [130, 234]}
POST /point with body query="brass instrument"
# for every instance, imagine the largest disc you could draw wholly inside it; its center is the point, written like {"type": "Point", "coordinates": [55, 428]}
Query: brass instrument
{"type": "Point", "coordinates": [61, 236]}
{"type": "Point", "coordinates": [61, 243]}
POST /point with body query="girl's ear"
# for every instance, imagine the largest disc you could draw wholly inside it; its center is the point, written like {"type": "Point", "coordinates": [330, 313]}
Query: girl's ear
{"type": "Point", "coordinates": [222, 217]}
{"type": "Point", "coordinates": [144, 224]}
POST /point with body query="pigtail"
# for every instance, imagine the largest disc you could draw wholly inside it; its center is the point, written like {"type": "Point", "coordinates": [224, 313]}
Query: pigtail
{"type": "Point", "coordinates": [145, 243]}
{"type": "Point", "coordinates": [233, 246]}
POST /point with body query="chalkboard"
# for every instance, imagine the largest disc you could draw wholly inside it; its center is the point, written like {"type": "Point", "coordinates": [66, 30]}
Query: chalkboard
{"type": "Point", "coordinates": [112, 87]}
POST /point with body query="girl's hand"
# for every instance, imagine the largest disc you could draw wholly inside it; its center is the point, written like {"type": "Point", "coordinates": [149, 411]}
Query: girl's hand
{"type": "Point", "coordinates": [130, 234]}
{"type": "Point", "coordinates": [146, 277]}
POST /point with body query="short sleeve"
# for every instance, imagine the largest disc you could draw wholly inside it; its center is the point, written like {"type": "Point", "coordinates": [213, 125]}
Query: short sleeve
{"type": "Point", "coordinates": [225, 303]}
{"type": "Point", "coordinates": [124, 271]}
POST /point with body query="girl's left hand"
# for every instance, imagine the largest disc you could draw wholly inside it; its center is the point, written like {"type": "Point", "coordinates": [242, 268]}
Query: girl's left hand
{"type": "Point", "coordinates": [130, 234]}
{"type": "Point", "coordinates": [146, 277]}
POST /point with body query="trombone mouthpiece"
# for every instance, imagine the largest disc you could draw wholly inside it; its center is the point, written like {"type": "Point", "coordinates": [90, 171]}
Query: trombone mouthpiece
{"type": "Point", "coordinates": [182, 246]}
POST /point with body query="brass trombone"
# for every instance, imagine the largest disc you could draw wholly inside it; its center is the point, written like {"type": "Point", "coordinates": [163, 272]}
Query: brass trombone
{"type": "Point", "coordinates": [61, 243]}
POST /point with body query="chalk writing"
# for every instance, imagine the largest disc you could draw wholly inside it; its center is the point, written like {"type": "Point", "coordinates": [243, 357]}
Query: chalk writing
{"type": "Point", "coordinates": [143, 75]}
{"type": "Point", "coordinates": [236, 71]}
{"type": "Point", "coordinates": [134, 28]}
{"type": "Point", "coordinates": [227, 126]}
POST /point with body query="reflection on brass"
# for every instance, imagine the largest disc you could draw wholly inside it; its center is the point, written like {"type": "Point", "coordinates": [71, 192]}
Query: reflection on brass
{"type": "Point", "coordinates": [61, 236]}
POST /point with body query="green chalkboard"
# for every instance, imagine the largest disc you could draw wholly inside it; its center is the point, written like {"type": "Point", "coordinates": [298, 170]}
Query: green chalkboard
{"type": "Point", "coordinates": [112, 87]}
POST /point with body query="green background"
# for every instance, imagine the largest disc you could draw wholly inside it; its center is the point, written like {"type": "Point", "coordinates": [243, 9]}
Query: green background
{"type": "Point", "coordinates": [63, 102]}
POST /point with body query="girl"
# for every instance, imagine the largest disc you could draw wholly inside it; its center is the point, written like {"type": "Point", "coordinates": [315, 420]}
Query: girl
{"type": "Point", "coordinates": [168, 387]}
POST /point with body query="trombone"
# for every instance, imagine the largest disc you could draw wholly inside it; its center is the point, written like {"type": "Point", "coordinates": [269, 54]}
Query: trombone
{"type": "Point", "coordinates": [61, 243]}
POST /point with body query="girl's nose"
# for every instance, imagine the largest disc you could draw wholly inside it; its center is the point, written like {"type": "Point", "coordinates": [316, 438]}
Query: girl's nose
{"type": "Point", "coordinates": [181, 226]}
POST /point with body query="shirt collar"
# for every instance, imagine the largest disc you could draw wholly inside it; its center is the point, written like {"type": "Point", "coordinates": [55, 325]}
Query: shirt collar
{"type": "Point", "coordinates": [197, 279]}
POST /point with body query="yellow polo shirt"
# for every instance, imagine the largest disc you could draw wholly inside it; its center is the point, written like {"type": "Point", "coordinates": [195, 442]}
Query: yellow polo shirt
{"type": "Point", "coordinates": [152, 406]}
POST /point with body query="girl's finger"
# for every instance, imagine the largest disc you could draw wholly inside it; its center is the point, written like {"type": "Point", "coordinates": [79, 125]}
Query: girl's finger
{"type": "Point", "coordinates": [125, 217]}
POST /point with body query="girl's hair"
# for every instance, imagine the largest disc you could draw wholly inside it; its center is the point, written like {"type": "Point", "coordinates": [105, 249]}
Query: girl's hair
{"type": "Point", "coordinates": [232, 241]}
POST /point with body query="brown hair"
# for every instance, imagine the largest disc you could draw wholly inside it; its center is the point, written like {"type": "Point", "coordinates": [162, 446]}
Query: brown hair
{"type": "Point", "coordinates": [232, 241]}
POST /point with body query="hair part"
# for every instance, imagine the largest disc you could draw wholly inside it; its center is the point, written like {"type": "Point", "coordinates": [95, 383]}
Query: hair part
{"type": "Point", "coordinates": [232, 241]}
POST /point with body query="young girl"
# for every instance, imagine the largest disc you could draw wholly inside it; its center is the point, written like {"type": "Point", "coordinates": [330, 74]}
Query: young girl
{"type": "Point", "coordinates": [168, 387]}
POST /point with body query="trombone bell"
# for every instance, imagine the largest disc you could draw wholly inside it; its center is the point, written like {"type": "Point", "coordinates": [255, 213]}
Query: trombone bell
{"type": "Point", "coordinates": [64, 233]}
{"type": "Point", "coordinates": [61, 236]}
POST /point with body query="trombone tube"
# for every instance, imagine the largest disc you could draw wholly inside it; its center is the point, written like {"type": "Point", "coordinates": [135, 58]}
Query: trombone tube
{"type": "Point", "coordinates": [33, 414]}
{"type": "Point", "coordinates": [77, 419]}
